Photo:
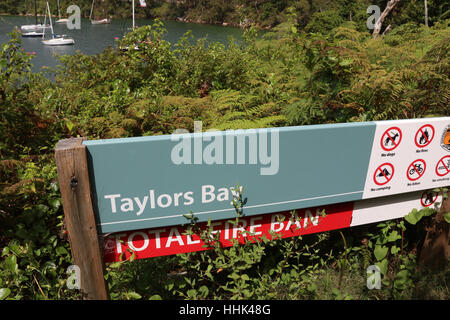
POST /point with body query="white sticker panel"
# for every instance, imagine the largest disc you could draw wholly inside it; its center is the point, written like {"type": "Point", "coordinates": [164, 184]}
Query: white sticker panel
{"type": "Point", "coordinates": [393, 207]}
{"type": "Point", "coordinates": [407, 156]}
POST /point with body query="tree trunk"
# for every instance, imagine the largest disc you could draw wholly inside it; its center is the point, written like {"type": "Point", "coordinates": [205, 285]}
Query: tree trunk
{"type": "Point", "coordinates": [390, 5]}
{"type": "Point", "coordinates": [426, 12]}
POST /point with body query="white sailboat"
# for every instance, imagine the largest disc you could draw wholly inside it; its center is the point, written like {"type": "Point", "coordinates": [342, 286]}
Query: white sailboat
{"type": "Point", "coordinates": [134, 26]}
{"type": "Point", "coordinates": [56, 40]}
{"type": "Point", "coordinates": [59, 16]}
{"type": "Point", "coordinates": [33, 30]}
{"type": "Point", "coordinates": [101, 21]}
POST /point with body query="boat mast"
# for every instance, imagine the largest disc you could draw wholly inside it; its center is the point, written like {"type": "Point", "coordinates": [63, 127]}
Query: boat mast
{"type": "Point", "coordinates": [50, 18]}
{"type": "Point", "coordinates": [133, 13]}
{"type": "Point", "coordinates": [59, 11]}
{"type": "Point", "coordinates": [45, 20]}
{"type": "Point", "coordinates": [92, 8]}
{"type": "Point", "coordinates": [35, 12]}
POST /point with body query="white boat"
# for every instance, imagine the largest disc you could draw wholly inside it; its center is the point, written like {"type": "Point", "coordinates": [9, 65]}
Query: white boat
{"type": "Point", "coordinates": [28, 29]}
{"type": "Point", "coordinates": [101, 21]}
{"type": "Point", "coordinates": [56, 40]}
{"type": "Point", "coordinates": [34, 27]}
{"type": "Point", "coordinates": [59, 16]}
{"type": "Point", "coordinates": [62, 40]}
{"type": "Point", "coordinates": [30, 34]}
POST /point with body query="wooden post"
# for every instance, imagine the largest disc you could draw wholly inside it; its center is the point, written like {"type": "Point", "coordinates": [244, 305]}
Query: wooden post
{"type": "Point", "coordinates": [435, 250]}
{"type": "Point", "coordinates": [73, 177]}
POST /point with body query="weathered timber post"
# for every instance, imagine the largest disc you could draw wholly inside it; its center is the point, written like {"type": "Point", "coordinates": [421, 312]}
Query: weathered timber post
{"type": "Point", "coordinates": [435, 250]}
{"type": "Point", "coordinates": [73, 177]}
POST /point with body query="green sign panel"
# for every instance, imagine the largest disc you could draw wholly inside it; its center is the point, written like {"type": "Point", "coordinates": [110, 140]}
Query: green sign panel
{"type": "Point", "coordinates": [150, 182]}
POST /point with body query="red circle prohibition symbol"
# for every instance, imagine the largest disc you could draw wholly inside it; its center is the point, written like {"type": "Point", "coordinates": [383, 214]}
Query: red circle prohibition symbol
{"type": "Point", "coordinates": [428, 196]}
{"type": "Point", "coordinates": [390, 137]}
{"type": "Point", "coordinates": [383, 173]}
{"type": "Point", "coordinates": [415, 170]}
{"type": "Point", "coordinates": [423, 138]}
{"type": "Point", "coordinates": [446, 168]}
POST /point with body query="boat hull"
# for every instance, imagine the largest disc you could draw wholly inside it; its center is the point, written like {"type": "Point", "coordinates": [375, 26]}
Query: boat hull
{"type": "Point", "coordinates": [32, 34]}
{"type": "Point", "coordinates": [58, 42]}
{"type": "Point", "coordinates": [34, 27]}
{"type": "Point", "coordinates": [104, 21]}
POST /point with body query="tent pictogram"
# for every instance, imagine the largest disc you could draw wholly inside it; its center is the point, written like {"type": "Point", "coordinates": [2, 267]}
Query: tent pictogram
{"type": "Point", "coordinates": [383, 174]}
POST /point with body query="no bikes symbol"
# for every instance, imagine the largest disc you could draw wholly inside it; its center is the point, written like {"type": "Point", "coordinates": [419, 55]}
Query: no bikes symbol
{"type": "Point", "coordinates": [416, 170]}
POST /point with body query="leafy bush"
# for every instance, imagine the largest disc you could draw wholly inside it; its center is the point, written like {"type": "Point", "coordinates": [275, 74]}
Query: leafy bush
{"type": "Point", "coordinates": [288, 77]}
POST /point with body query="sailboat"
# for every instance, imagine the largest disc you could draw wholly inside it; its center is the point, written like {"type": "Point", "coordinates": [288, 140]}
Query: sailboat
{"type": "Point", "coordinates": [32, 30]}
{"type": "Point", "coordinates": [59, 16]}
{"type": "Point", "coordinates": [102, 21]}
{"type": "Point", "coordinates": [56, 40]}
{"type": "Point", "coordinates": [143, 4]}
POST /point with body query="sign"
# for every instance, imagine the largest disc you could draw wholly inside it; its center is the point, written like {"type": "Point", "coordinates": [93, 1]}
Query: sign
{"type": "Point", "coordinates": [424, 136]}
{"type": "Point", "coordinates": [443, 166]}
{"type": "Point", "coordinates": [416, 170]}
{"type": "Point", "coordinates": [445, 140]}
{"type": "Point", "coordinates": [383, 174]}
{"type": "Point", "coordinates": [391, 138]}
{"type": "Point", "coordinates": [284, 182]}
{"type": "Point", "coordinates": [147, 243]}
{"type": "Point", "coordinates": [150, 182]}
{"type": "Point", "coordinates": [428, 198]}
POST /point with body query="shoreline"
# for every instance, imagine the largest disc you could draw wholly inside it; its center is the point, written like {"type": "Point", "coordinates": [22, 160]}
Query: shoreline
{"type": "Point", "coordinates": [178, 19]}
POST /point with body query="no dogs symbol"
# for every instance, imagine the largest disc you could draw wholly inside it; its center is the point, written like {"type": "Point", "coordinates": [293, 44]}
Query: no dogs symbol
{"type": "Point", "coordinates": [391, 138]}
{"type": "Point", "coordinates": [428, 198]}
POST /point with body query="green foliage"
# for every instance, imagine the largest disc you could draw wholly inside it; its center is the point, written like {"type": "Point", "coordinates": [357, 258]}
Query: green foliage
{"type": "Point", "coordinates": [146, 86]}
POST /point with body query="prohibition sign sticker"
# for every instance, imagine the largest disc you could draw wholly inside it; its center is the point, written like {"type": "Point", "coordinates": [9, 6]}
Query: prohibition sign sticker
{"type": "Point", "coordinates": [416, 170]}
{"type": "Point", "coordinates": [383, 174]}
{"type": "Point", "coordinates": [443, 166]}
{"type": "Point", "coordinates": [424, 136]}
{"type": "Point", "coordinates": [428, 198]}
{"type": "Point", "coordinates": [391, 138]}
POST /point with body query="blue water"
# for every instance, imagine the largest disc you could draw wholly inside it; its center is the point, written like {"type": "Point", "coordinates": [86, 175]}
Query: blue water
{"type": "Point", "coordinates": [93, 39]}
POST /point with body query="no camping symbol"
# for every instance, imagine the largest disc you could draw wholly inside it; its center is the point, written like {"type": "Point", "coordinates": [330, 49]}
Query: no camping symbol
{"type": "Point", "coordinates": [428, 198]}
{"type": "Point", "coordinates": [391, 138]}
{"type": "Point", "coordinates": [383, 174]}
{"type": "Point", "coordinates": [424, 136]}
{"type": "Point", "coordinates": [443, 166]}
{"type": "Point", "coordinates": [416, 169]}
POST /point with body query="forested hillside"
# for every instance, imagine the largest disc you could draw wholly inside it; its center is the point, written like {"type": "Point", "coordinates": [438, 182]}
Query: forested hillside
{"type": "Point", "coordinates": [263, 13]}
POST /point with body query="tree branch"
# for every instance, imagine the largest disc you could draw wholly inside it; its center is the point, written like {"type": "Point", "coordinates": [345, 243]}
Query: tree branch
{"type": "Point", "coordinates": [389, 6]}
